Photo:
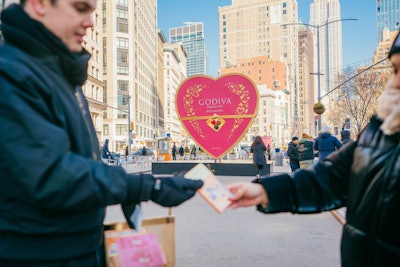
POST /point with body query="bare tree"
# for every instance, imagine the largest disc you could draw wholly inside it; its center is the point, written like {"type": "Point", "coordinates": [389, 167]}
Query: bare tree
{"type": "Point", "coordinates": [357, 99]}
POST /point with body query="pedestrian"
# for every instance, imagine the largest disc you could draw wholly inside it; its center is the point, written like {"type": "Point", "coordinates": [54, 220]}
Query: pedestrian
{"type": "Point", "coordinates": [326, 143]}
{"type": "Point", "coordinates": [363, 176]}
{"type": "Point", "coordinates": [181, 152]}
{"type": "Point", "coordinates": [55, 187]}
{"type": "Point", "coordinates": [293, 154]}
{"type": "Point", "coordinates": [269, 152]}
{"type": "Point", "coordinates": [126, 151]}
{"type": "Point", "coordinates": [193, 152]}
{"type": "Point", "coordinates": [174, 150]}
{"type": "Point", "coordinates": [105, 154]}
{"type": "Point", "coordinates": [144, 151]}
{"type": "Point", "coordinates": [346, 137]}
{"type": "Point", "coordinates": [306, 151]}
{"type": "Point", "coordinates": [258, 149]}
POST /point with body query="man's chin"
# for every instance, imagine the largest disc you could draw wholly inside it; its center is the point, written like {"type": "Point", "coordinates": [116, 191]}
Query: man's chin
{"type": "Point", "coordinates": [76, 48]}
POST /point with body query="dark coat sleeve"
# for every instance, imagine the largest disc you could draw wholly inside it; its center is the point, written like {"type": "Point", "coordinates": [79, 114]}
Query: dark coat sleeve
{"type": "Point", "coordinates": [322, 188]}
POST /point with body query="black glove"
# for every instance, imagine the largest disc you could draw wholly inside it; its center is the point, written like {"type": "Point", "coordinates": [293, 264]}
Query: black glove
{"type": "Point", "coordinates": [172, 191]}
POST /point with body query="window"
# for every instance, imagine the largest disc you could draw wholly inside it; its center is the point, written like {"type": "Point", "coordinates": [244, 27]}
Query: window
{"type": "Point", "coordinates": [121, 129]}
{"type": "Point", "coordinates": [123, 85]}
{"type": "Point", "coordinates": [123, 14]}
{"type": "Point", "coordinates": [122, 56]}
{"type": "Point", "coordinates": [122, 27]}
{"type": "Point", "coordinates": [122, 2]}
{"type": "Point", "coordinates": [122, 100]}
{"type": "Point", "coordinates": [122, 42]}
{"type": "Point", "coordinates": [106, 129]}
{"type": "Point", "coordinates": [122, 71]}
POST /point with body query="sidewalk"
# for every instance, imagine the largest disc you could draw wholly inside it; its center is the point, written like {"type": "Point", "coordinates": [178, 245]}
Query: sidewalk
{"type": "Point", "coordinates": [146, 168]}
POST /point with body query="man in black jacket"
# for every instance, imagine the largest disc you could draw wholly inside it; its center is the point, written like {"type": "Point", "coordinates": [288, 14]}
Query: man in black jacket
{"type": "Point", "coordinates": [54, 186]}
{"type": "Point", "coordinates": [293, 154]}
{"type": "Point", "coordinates": [363, 176]}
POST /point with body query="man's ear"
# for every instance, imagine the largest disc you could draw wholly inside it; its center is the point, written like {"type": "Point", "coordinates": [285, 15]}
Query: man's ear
{"type": "Point", "coordinates": [38, 6]}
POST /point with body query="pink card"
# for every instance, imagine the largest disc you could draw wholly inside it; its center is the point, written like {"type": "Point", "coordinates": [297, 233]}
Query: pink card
{"type": "Point", "coordinates": [142, 250]}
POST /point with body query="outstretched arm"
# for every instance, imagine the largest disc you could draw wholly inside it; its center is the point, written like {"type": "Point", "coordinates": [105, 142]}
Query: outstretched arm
{"type": "Point", "coordinates": [247, 194]}
{"type": "Point", "coordinates": [322, 188]}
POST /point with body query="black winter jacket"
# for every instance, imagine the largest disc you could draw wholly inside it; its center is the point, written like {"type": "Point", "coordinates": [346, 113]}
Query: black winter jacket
{"type": "Point", "coordinates": [54, 187]}
{"type": "Point", "coordinates": [305, 149]}
{"type": "Point", "coordinates": [293, 153]}
{"type": "Point", "coordinates": [364, 176]}
{"type": "Point", "coordinates": [258, 151]}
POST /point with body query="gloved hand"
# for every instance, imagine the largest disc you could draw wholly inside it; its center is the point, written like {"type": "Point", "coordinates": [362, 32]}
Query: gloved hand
{"type": "Point", "coordinates": [172, 191]}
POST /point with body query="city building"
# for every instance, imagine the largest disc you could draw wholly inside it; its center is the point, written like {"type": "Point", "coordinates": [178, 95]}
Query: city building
{"type": "Point", "coordinates": [192, 37]}
{"type": "Point", "coordinates": [387, 16]}
{"type": "Point", "coordinates": [272, 120]}
{"type": "Point", "coordinates": [175, 57]}
{"type": "Point", "coordinates": [130, 41]}
{"type": "Point", "coordinates": [160, 87]}
{"type": "Point", "coordinates": [94, 86]}
{"type": "Point", "coordinates": [307, 97]}
{"type": "Point", "coordinates": [261, 70]}
{"type": "Point", "coordinates": [384, 45]}
{"type": "Point", "coordinates": [322, 13]}
{"type": "Point", "coordinates": [259, 28]}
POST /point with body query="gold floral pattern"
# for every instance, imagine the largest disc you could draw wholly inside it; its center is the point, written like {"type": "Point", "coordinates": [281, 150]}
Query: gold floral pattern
{"type": "Point", "coordinates": [243, 107]}
{"type": "Point", "coordinates": [193, 92]}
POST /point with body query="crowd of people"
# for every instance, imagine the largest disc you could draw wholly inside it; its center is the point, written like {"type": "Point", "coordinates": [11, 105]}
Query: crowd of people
{"type": "Point", "coordinates": [301, 152]}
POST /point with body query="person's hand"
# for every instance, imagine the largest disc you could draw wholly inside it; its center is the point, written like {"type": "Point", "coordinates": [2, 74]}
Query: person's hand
{"type": "Point", "coordinates": [247, 194]}
{"type": "Point", "coordinates": [172, 191]}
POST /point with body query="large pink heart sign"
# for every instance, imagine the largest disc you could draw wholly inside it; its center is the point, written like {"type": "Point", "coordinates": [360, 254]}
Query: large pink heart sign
{"type": "Point", "coordinates": [217, 112]}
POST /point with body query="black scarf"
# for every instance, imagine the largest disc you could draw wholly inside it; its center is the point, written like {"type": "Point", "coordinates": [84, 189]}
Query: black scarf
{"type": "Point", "coordinates": [34, 38]}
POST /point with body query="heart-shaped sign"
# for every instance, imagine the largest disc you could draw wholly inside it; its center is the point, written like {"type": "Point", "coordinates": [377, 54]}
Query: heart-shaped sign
{"type": "Point", "coordinates": [217, 112]}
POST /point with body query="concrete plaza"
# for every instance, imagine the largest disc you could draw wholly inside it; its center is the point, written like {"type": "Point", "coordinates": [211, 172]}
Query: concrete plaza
{"type": "Point", "coordinates": [245, 237]}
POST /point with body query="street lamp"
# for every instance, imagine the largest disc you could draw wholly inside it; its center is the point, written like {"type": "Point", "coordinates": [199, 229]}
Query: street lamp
{"type": "Point", "coordinates": [318, 56]}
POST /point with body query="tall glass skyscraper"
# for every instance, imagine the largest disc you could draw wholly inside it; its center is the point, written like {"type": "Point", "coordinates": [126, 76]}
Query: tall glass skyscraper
{"type": "Point", "coordinates": [387, 16]}
{"type": "Point", "coordinates": [192, 38]}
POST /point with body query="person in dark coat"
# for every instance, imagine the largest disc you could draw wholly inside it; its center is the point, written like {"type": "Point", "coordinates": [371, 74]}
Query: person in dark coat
{"type": "Point", "coordinates": [174, 151]}
{"type": "Point", "coordinates": [144, 151]}
{"type": "Point", "coordinates": [326, 143]}
{"type": "Point", "coordinates": [54, 185]}
{"type": "Point", "coordinates": [258, 149]}
{"type": "Point", "coordinates": [346, 137]}
{"type": "Point", "coordinates": [363, 176]}
{"type": "Point", "coordinates": [181, 152]}
{"type": "Point", "coordinates": [306, 151]}
{"type": "Point", "coordinates": [293, 154]}
{"type": "Point", "coordinates": [105, 152]}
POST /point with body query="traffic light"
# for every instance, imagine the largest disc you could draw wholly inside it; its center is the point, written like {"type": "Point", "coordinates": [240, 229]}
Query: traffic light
{"type": "Point", "coordinates": [132, 126]}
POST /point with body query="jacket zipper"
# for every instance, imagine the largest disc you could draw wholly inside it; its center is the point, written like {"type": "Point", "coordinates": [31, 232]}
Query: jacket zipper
{"type": "Point", "coordinates": [85, 119]}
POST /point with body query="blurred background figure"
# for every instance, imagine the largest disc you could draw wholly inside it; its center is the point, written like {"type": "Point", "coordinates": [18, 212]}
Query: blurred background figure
{"type": "Point", "coordinates": [326, 143]}
{"type": "Point", "coordinates": [306, 151]}
{"type": "Point", "coordinates": [346, 137]}
{"type": "Point", "coordinates": [293, 154]}
{"type": "Point", "coordinates": [258, 149]}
